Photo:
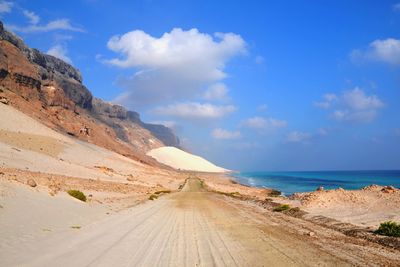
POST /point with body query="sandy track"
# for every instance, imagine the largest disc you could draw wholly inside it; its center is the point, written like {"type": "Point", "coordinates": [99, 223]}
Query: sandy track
{"type": "Point", "coordinates": [189, 228]}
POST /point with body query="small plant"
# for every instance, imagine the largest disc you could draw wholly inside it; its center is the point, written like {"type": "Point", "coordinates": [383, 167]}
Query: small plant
{"type": "Point", "coordinates": [389, 228]}
{"type": "Point", "coordinates": [153, 197]}
{"type": "Point", "coordinates": [162, 192]}
{"type": "Point", "coordinates": [281, 208]}
{"type": "Point", "coordinates": [77, 194]}
{"type": "Point", "coordinates": [75, 227]}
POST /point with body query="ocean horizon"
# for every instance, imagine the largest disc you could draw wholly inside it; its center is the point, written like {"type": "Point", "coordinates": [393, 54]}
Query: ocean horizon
{"type": "Point", "coordinates": [289, 182]}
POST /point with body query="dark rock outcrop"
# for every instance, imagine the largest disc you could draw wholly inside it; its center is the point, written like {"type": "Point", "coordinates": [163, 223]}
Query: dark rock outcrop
{"type": "Point", "coordinates": [52, 69]}
{"type": "Point", "coordinates": [163, 133]}
{"type": "Point", "coordinates": [107, 112]}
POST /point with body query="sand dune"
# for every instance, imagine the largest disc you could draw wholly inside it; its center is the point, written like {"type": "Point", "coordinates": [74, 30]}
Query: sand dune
{"type": "Point", "coordinates": [180, 159]}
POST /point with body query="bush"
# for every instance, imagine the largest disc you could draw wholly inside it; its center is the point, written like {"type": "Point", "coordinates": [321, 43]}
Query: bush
{"type": "Point", "coordinates": [389, 229]}
{"type": "Point", "coordinates": [77, 194]}
{"type": "Point", "coordinates": [153, 197]}
{"type": "Point", "coordinates": [162, 192]}
{"type": "Point", "coordinates": [282, 207]}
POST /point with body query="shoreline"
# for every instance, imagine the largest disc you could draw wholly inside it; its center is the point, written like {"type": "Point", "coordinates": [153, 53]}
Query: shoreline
{"type": "Point", "coordinates": [340, 184]}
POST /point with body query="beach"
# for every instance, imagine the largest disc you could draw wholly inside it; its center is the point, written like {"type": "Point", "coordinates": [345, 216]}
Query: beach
{"type": "Point", "coordinates": [137, 214]}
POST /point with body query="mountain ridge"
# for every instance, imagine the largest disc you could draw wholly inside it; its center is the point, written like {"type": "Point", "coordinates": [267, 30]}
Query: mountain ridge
{"type": "Point", "coordinates": [52, 91]}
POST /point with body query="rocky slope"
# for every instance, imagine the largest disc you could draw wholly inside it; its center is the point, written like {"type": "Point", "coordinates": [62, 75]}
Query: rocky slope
{"type": "Point", "coordinates": [52, 91]}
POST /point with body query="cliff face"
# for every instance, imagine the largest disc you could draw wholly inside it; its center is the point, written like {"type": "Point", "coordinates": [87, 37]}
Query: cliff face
{"type": "Point", "coordinates": [114, 114]}
{"type": "Point", "coordinates": [51, 90]}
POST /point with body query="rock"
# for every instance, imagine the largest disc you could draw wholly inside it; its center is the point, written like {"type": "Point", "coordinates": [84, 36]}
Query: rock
{"type": "Point", "coordinates": [388, 189]}
{"type": "Point", "coordinates": [130, 178]}
{"type": "Point", "coordinates": [311, 234]}
{"type": "Point", "coordinates": [85, 130]}
{"type": "Point", "coordinates": [31, 182]}
{"type": "Point", "coordinates": [50, 69]}
{"type": "Point", "coordinates": [4, 100]}
{"type": "Point", "coordinates": [108, 112]}
{"type": "Point", "coordinates": [319, 189]}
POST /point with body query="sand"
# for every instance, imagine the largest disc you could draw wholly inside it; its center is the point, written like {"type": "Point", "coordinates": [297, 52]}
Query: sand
{"type": "Point", "coordinates": [191, 228]}
{"type": "Point", "coordinates": [366, 207]}
{"type": "Point", "coordinates": [182, 160]}
{"type": "Point", "coordinates": [27, 214]}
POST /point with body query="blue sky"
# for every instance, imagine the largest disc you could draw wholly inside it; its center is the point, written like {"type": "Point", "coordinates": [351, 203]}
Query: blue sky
{"type": "Point", "coordinates": [294, 85]}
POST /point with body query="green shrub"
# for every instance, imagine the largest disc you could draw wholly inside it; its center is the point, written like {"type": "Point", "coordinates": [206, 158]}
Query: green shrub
{"type": "Point", "coordinates": [389, 229]}
{"type": "Point", "coordinates": [77, 194]}
{"type": "Point", "coordinates": [282, 207]}
{"type": "Point", "coordinates": [153, 197]}
{"type": "Point", "coordinates": [162, 192]}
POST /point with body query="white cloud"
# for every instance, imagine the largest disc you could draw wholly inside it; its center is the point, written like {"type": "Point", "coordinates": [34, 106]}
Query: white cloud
{"type": "Point", "coordinates": [396, 7]}
{"type": "Point", "coordinates": [306, 137]}
{"type": "Point", "coordinates": [298, 137]}
{"type": "Point", "coordinates": [33, 18]}
{"type": "Point", "coordinates": [262, 107]}
{"type": "Point", "coordinates": [387, 51]}
{"type": "Point", "coordinates": [328, 101]}
{"type": "Point", "coordinates": [193, 110]}
{"type": "Point", "coordinates": [263, 123]}
{"type": "Point", "coordinates": [216, 91]}
{"type": "Point", "coordinates": [5, 7]}
{"type": "Point", "coordinates": [358, 100]}
{"type": "Point", "coordinates": [175, 66]}
{"type": "Point", "coordinates": [219, 133]}
{"type": "Point", "coordinates": [59, 24]}
{"type": "Point", "coordinates": [353, 105]}
{"type": "Point", "coordinates": [60, 52]}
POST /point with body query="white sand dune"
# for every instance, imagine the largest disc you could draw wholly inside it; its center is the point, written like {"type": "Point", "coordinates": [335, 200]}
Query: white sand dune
{"type": "Point", "coordinates": [180, 159]}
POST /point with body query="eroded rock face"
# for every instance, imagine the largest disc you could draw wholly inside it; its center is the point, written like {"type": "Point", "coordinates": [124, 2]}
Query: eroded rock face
{"type": "Point", "coordinates": [108, 112]}
{"type": "Point", "coordinates": [51, 90]}
{"type": "Point", "coordinates": [49, 69]}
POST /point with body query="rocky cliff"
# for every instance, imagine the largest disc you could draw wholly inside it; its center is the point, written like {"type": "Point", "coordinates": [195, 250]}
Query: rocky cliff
{"type": "Point", "coordinates": [52, 91]}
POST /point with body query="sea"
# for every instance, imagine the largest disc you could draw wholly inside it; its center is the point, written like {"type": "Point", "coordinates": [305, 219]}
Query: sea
{"type": "Point", "coordinates": [306, 181]}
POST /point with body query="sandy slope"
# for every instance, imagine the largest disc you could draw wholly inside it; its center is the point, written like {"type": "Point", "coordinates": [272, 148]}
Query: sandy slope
{"type": "Point", "coordinates": [29, 213]}
{"type": "Point", "coordinates": [193, 228]}
{"type": "Point", "coordinates": [369, 206]}
{"type": "Point", "coordinates": [29, 145]}
{"type": "Point", "coordinates": [180, 159]}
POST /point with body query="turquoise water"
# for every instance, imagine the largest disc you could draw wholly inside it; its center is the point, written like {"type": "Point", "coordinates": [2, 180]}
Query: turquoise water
{"type": "Point", "coordinates": [292, 182]}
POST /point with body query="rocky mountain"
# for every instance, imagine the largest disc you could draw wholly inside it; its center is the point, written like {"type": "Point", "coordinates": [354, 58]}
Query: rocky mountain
{"type": "Point", "coordinates": [52, 91]}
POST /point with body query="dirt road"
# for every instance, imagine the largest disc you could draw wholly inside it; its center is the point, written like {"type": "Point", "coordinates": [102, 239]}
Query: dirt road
{"type": "Point", "coordinates": [194, 228]}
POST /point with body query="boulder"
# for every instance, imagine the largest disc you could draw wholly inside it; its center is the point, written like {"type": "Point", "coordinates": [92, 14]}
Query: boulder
{"type": "Point", "coordinates": [31, 182]}
{"type": "Point", "coordinates": [320, 189]}
{"type": "Point", "coordinates": [388, 189]}
{"type": "Point", "coordinates": [4, 100]}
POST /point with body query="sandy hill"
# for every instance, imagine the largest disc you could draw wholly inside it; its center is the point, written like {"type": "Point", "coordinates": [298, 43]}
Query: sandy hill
{"type": "Point", "coordinates": [182, 160]}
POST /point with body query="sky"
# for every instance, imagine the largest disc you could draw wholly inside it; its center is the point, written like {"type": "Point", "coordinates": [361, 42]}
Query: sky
{"type": "Point", "coordinates": [249, 85]}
